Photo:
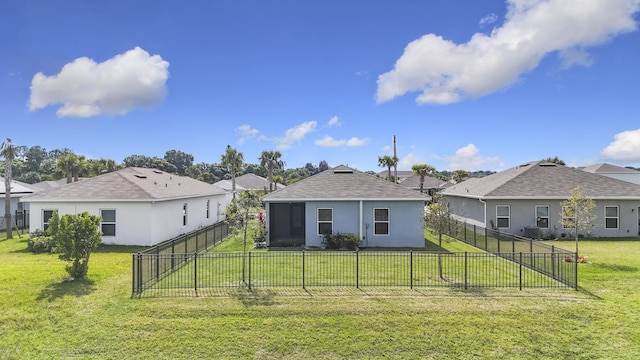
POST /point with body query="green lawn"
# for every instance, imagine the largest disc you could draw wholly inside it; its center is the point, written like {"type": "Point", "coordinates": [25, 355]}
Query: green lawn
{"type": "Point", "coordinates": [45, 317]}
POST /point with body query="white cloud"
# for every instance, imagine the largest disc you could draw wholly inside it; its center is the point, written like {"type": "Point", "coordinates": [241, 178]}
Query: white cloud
{"type": "Point", "coordinates": [329, 141]}
{"type": "Point", "coordinates": [128, 81]}
{"type": "Point", "coordinates": [488, 20]}
{"type": "Point", "coordinates": [246, 133]}
{"type": "Point", "coordinates": [354, 141]}
{"type": "Point", "coordinates": [445, 72]}
{"type": "Point", "coordinates": [469, 158]}
{"type": "Point", "coordinates": [295, 134]}
{"type": "Point", "coordinates": [334, 121]}
{"type": "Point", "coordinates": [408, 161]}
{"type": "Point", "coordinates": [624, 147]}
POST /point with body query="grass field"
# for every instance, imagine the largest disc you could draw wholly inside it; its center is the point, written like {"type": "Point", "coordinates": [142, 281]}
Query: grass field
{"type": "Point", "coordinates": [45, 317]}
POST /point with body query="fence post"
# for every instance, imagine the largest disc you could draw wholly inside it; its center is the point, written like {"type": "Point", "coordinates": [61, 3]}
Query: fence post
{"type": "Point", "coordinates": [486, 240]}
{"type": "Point", "coordinates": [474, 236]}
{"type": "Point", "coordinates": [411, 269]}
{"type": "Point", "coordinates": [139, 273]}
{"type": "Point", "coordinates": [576, 271]}
{"type": "Point", "coordinates": [157, 262]}
{"type": "Point", "coordinates": [249, 270]}
{"type": "Point", "coordinates": [553, 262]}
{"type": "Point", "coordinates": [195, 272]}
{"type": "Point", "coordinates": [303, 284]}
{"type": "Point", "coordinates": [520, 270]}
{"type": "Point", "coordinates": [133, 275]}
{"type": "Point", "coordinates": [357, 271]}
{"type": "Point", "coordinates": [465, 271]}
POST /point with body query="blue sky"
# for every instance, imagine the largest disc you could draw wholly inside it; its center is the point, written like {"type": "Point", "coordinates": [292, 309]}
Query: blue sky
{"type": "Point", "coordinates": [462, 84]}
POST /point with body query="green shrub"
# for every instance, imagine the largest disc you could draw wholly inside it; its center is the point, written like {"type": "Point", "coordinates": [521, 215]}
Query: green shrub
{"type": "Point", "coordinates": [349, 241]}
{"type": "Point", "coordinates": [39, 242]}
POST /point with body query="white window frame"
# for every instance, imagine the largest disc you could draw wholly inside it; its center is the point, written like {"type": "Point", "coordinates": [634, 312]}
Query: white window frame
{"type": "Point", "coordinates": [508, 217]}
{"type": "Point", "coordinates": [208, 209]}
{"type": "Point", "coordinates": [109, 222]}
{"type": "Point", "coordinates": [45, 223]}
{"type": "Point", "coordinates": [323, 221]}
{"type": "Point", "coordinates": [617, 217]}
{"type": "Point", "coordinates": [543, 217]}
{"type": "Point", "coordinates": [185, 207]}
{"type": "Point", "coordinates": [388, 222]}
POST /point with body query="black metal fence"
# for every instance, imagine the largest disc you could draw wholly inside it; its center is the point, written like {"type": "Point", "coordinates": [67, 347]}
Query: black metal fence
{"type": "Point", "coordinates": [351, 269]}
{"type": "Point", "coordinates": [169, 255]}
{"type": "Point", "coordinates": [563, 266]}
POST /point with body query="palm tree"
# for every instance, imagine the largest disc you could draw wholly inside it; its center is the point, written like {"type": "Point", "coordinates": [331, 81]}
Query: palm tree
{"type": "Point", "coordinates": [232, 160]}
{"type": "Point", "coordinates": [271, 161]}
{"type": "Point", "coordinates": [388, 162]}
{"type": "Point", "coordinates": [67, 164]}
{"type": "Point", "coordinates": [8, 151]}
{"type": "Point", "coordinates": [422, 170]}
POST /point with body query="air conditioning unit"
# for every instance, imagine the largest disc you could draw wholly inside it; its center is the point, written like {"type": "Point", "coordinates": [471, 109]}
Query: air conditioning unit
{"type": "Point", "coordinates": [532, 232]}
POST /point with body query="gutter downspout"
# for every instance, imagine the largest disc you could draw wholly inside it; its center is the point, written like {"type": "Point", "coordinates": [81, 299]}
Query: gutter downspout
{"type": "Point", "coordinates": [485, 212]}
{"type": "Point", "coordinates": [360, 220]}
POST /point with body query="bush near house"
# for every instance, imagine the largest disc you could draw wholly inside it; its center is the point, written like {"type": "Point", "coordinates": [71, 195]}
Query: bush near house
{"type": "Point", "coordinates": [349, 241]}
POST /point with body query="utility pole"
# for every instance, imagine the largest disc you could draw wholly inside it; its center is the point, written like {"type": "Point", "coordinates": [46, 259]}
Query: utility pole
{"type": "Point", "coordinates": [395, 158]}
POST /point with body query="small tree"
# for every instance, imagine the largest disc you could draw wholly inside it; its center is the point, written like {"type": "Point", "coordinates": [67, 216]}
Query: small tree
{"type": "Point", "coordinates": [577, 213]}
{"type": "Point", "coordinates": [74, 237]}
{"type": "Point", "coordinates": [438, 220]}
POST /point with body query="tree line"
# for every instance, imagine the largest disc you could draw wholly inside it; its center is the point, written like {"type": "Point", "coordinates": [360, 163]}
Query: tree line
{"type": "Point", "coordinates": [35, 164]}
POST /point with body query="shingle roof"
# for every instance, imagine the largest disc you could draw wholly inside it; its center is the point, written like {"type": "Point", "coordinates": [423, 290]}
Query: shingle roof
{"type": "Point", "coordinates": [609, 169]}
{"type": "Point", "coordinates": [413, 182]}
{"type": "Point", "coordinates": [343, 183]}
{"type": "Point", "coordinates": [248, 181]}
{"type": "Point", "coordinates": [129, 184]}
{"type": "Point", "coordinates": [541, 179]}
{"type": "Point", "coordinates": [16, 187]}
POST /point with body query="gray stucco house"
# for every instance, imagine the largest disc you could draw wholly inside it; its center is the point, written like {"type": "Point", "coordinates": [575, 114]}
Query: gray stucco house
{"type": "Point", "coordinates": [526, 200]}
{"type": "Point", "coordinates": [345, 200]}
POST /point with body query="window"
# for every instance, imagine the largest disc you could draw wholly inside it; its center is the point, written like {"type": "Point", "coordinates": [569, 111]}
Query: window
{"type": "Point", "coordinates": [208, 208]}
{"type": "Point", "coordinates": [46, 216]}
{"type": "Point", "coordinates": [380, 221]}
{"type": "Point", "coordinates": [325, 221]}
{"type": "Point", "coordinates": [610, 217]}
{"type": "Point", "coordinates": [568, 218]}
{"type": "Point", "coordinates": [542, 216]}
{"type": "Point", "coordinates": [503, 213]}
{"type": "Point", "coordinates": [108, 226]}
{"type": "Point", "coordinates": [184, 214]}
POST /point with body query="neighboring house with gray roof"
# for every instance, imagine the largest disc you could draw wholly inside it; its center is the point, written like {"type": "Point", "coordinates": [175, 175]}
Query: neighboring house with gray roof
{"type": "Point", "coordinates": [246, 182]}
{"type": "Point", "coordinates": [344, 200]}
{"type": "Point", "coordinates": [616, 172]}
{"type": "Point", "coordinates": [528, 197]}
{"type": "Point", "coordinates": [17, 205]}
{"type": "Point", "coordinates": [430, 185]}
{"type": "Point", "coordinates": [138, 206]}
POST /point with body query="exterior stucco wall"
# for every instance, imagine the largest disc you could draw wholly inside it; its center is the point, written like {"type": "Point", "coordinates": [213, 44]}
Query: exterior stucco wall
{"type": "Point", "coordinates": [467, 209]}
{"type": "Point", "coordinates": [523, 215]}
{"type": "Point", "coordinates": [139, 223]}
{"type": "Point", "coordinates": [406, 222]}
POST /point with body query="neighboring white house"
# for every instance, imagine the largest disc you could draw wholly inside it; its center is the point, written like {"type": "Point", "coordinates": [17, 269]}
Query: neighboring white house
{"type": "Point", "coordinates": [138, 206]}
{"type": "Point", "coordinates": [18, 191]}
{"type": "Point", "coordinates": [246, 182]}
{"type": "Point", "coordinates": [344, 200]}
{"type": "Point", "coordinates": [527, 198]}
{"type": "Point", "coordinates": [615, 172]}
